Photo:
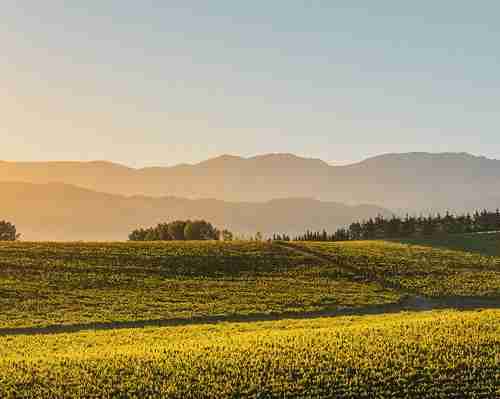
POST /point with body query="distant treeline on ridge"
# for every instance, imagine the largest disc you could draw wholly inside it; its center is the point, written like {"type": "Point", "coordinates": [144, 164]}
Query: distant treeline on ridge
{"type": "Point", "coordinates": [180, 230]}
{"type": "Point", "coordinates": [409, 226]}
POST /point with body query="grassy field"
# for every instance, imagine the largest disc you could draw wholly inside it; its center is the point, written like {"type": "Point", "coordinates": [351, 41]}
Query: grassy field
{"type": "Point", "coordinates": [47, 284]}
{"type": "Point", "coordinates": [439, 354]}
{"type": "Point", "coordinates": [482, 243]}
{"type": "Point", "coordinates": [414, 269]}
{"type": "Point", "coordinates": [44, 284]}
{"type": "Point", "coordinates": [66, 312]}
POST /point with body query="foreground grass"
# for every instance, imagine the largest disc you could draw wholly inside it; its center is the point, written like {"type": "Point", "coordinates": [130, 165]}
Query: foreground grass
{"type": "Point", "coordinates": [412, 355]}
{"type": "Point", "coordinates": [43, 284]}
{"type": "Point", "coordinates": [420, 270]}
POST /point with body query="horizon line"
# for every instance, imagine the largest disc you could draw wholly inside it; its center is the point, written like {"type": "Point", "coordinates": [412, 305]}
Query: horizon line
{"type": "Point", "coordinates": [245, 158]}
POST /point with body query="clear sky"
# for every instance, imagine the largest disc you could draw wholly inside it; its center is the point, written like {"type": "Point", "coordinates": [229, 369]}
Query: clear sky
{"type": "Point", "coordinates": [163, 82]}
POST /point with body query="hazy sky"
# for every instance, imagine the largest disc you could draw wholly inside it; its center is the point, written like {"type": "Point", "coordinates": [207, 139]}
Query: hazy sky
{"type": "Point", "coordinates": [163, 82]}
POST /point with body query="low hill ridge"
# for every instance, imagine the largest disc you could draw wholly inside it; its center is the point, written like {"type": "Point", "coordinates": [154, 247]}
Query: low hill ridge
{"type": "Point", "coordinates": [57, 211]}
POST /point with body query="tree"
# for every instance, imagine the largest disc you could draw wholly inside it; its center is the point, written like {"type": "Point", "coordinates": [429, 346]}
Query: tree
{"type": "Point", "coordinates": [152, 235]}
{"type": "Point", "coordinates": [179, 230]}
{"type": "Point", "coordinates": [163, 234]}
{"type": "Point", "coordinates": [393, 227]}
{"type": "Point", "coordinates": [410, 226]}
{"type": "Point", "coordinates": [8, 231]}
{"type": "Point", "coordinates": [200, 230]}
{"type": "Point", "coordinates": [356, 231]}
{"type": "Point", "coordinates": [227, 235]}
{"type": "Point", "coordinates": [138, 235]}
{"type": "Point", "coordinates": [176, 229]}
{"type": "Point", "coordinates": [369, 229]}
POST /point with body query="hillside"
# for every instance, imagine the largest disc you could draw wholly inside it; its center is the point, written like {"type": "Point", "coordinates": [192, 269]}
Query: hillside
{"type": "Point", "coordinates": [63, 287]}
{"type": "Point", "coordinates": [134, 283]}
{"type": "Point", "coordinates": [63, 212]}
{"type": "Point", "coordinates": [247, 319]}
{"type": "Point", "coordinates": [412, 181]}
{"type": "Point", "coordinates": [487, 243]}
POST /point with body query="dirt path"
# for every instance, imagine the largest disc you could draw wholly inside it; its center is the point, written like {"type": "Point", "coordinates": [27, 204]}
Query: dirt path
{"type": "Point", "coordinates": [328, 259]}
{"type": "Point", "coordinates": [365, 275]}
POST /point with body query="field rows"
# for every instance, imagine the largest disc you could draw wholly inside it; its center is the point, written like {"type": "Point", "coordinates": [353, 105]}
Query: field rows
{"type": "Point", "coordinates": [414, 269]}
{"type": "Point", "coordinates": [434, 354]}
{"type": "Point", "coordinates": [47, 284]}
{"type": "Point", "coordinates": [43, 284]}
{"type": "Point", "coordinates": [424, 355]}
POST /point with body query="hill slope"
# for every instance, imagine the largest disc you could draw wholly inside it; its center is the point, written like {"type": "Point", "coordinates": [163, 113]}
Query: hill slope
{"type": "Point", "coordinates": [49, 287]}
{"type": "Point", "coordinates": [86, 320]}
{"type": "Point", "coordinates": [63, 212]}
{"type": "Point", "coordinates": [482, 243]}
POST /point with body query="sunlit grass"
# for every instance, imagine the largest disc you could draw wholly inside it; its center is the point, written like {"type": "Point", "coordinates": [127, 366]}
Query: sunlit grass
{"type": "Point", "coordinates": [45, 284]}
{"type": "Point", "coordinates": [419, 270]}
{"type": "Point", "coordinates": [418, 355]}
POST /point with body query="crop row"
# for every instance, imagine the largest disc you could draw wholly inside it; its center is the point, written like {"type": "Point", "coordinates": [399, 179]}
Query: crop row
{"type": "Point", "coordinates": [416, 269]}
{"type": "Point", "coordinates": [422, 355]}
{"type": "Point", "coordinates": [52, 284]}
{"type": "Point", "coordinates": [171, 259]}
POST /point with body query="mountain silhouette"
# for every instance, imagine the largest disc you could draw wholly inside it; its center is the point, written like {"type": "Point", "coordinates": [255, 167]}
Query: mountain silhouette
{"type": "Point", "coordinates": [63, 212]}
{"type": "Point", "coordinates": [411, 181]}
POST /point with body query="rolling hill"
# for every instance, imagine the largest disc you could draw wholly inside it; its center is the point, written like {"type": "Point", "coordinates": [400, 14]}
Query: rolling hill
{"type": "Point", "coordinates": [58, 211]}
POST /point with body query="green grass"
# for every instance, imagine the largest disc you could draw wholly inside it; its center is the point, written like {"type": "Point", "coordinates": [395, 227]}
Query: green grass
{"type": "Point", "coordinates": [43, 284]}
{"type": "Point", "coordinates": [440, 354]}
{"type": "Point", "coordinates": [413, 355]}
{"type": "Point", "coordinates": [415, 269]}
{"type": "Point", "coordinates": [485, 244]}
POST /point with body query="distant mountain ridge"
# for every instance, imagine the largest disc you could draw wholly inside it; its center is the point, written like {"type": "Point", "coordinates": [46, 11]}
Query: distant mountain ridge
{"type": "Point", "coordinates": [410, 181]}
{"type": "Point", "coordinates": [62, 212]}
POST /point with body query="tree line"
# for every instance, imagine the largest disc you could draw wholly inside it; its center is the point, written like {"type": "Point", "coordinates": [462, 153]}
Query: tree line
{"type": "Point", "coordinates": [409, 226]}
{"type": "Point", "coordinates": [373, 228]}
{"type": "Point", "coordinates": [181, 230]}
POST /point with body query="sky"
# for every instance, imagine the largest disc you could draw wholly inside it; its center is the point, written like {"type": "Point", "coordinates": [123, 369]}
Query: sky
{"type": "Point", "coordinates": [164, 82]}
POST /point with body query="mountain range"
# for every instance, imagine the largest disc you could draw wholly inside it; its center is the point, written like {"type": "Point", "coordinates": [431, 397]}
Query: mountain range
{"type": "Point", "coordinates": [269, 193]}
{"type": "Point", "coordinates": [410, 182]}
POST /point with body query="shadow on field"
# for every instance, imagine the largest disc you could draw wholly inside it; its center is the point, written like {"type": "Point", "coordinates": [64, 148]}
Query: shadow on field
{"type": "Point", "coordinates": [413, 304]}
{"type": "Point", "coordinates": [487, 244]}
